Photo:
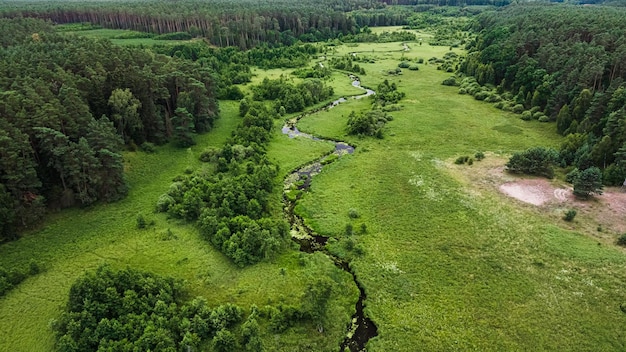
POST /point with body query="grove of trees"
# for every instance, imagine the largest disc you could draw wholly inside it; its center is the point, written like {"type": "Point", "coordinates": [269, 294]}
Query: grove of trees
{"type": "Point", "coordinates": [68, 107]}
{"type": "Point", "coordinates": [565, 64]}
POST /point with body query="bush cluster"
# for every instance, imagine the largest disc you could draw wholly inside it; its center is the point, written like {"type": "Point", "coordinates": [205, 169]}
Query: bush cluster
{"type": "Point", "coordinates": [13, 277]}
{"type": "Point", "coordinates": [132, 310]}
{"type": "Point", "coordinates": [231, 206]}
{"type": "Point", "coordinates": [534, 161]}
{"type": "Point", "coordinates": [370, 123]}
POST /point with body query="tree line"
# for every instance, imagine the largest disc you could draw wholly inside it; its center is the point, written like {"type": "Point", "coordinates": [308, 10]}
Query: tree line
{"type": "Point", "coordinates": [565, 64]}
{"type": "Point", "coordinates": [225, 23]}
{"type": "Point", "coordinates": [68, 107]}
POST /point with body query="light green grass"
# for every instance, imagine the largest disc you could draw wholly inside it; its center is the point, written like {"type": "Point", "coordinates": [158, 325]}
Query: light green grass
{"type": "Point", "coordinates": [446, 266]}
{"type": "Point", "coordinates": [111, 34]}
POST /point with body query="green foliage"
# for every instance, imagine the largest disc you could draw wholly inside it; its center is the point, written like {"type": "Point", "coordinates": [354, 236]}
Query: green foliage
{"type": "Point", "coordinates": [173, 36]}
{"type": "Point", "coordinates": [366, 36]}
{"type": "Point", "coordinates": [347, 63]}
{"type": "Point", "coordinates": [370, 123]}
{"type": "Point", "coordinates": [148, 147]}
{"type": "Point", "coordinates": [64, 123]}
{"type": "Point", "coordinates": [586, 182]}
{"type": "Point", "coordinates": [462, 160]}
{"type": "Point", "coordinates": [387, 93]}
{"type": "Point", "coordinates": [232, 206]}
{"type": "Point", "coordinates": [450, 81]}
{"type": "Point", "coordinates": [621, 240]}
{"type": "Point", "coordinates": [479, 156]}
{"type": "Point", "coordinates": [141, 222]}
{"type": "Point", "coordinates": [353, 213]}
{"type": "Point", "coordinates": [569, 215]}
{"type": "Point", "coordinates": [552, 74]}
{"type": "Point", "coordinates": [349, 230]}
{"type": "Point", "coordinates": [534, 161]}
{"type": "Point", "coordinates": [9, 279]}
{"type": "Point", "coordinates": [131, 309]}
{"type": "Point", "coordinates": [292, 98]}
{"type": "Point", "coordinates": [329, 159]}
{"type": "Point", "coordinates": [316, 71]}
{"type": "Point", "coordinates": [183, 128]}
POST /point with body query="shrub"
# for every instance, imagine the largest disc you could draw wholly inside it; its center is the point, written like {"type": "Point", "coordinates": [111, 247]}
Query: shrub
{"type": "Point", "coordinates": [353, 213]}
{"type": "Point", "coordinates": [526, 116]}
{"type": "Point", "coordinates": [329, 159]}
{"type": "Point", "coordinates": [518, 109]}
{"type": "Point", "coordinates": [534, 161]}
{"type": "Point", "coordinates": [621, 240]}
{"type": "Point", "coordinates": [173, 36]}
{"type": "Point", "coordinates": [569, 215]}
{"type": "Point", "coordinates": [450, 81]}
{"type": "Point", "coordinates": [148, 147]}
{"type": "Point", "coordinates": [363, 228]}
{"type": "Point", "coordinates": [493, 98]}
{"type": "Point", "coordinates": [349, 230]}
{"type": "Point", "coordinates": [33, 268]}
{"type": "Point", "coordinates": [414, 67]}
{"type": "Point", "coordinates": [164, 202]}
{"type": "Point", "coordinates": [141, 222]}
{"type": "Point", "coordinates": [481, 95]}
{"type": "Point", "coordinates": [586, 182]}
{"type": "Point", "coordinates": [404, 64]}
{"type": "Point", "coordinates": [479, 156]}
{"type": "Point", "coordinates": [461, 160]}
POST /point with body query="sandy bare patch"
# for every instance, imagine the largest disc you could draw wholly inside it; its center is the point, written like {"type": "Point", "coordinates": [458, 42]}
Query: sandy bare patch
{"type": "Point", "coordinates": [614, 201]}
{"type": "Point", "coordinates": [529, 191]}
{"type": "Point", "coordinates": [606, 211]}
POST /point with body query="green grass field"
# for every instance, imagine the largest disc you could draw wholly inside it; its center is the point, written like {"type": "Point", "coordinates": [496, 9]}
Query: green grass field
{"type": "Point", "coordinates": [446, 266]}
{"type": "Point", "coordinates": [115, 34]}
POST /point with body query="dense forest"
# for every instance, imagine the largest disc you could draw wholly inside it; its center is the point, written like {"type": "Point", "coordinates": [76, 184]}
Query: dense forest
{"type": "Point", "coordinates": [70, 104]}
{"type": "Point", "coordinates": [567, 64]}
{"type": "Point", "coordinates": [224, 23]}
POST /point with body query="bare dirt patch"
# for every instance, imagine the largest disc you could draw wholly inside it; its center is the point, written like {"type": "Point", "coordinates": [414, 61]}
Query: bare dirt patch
{"type": "Point", "coordinates": [603, 216]}
{"type": "Point", "coordinates": [534, 191]}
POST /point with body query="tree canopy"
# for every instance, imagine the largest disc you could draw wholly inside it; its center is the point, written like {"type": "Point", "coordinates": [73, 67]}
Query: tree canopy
{"type": "Point", "coordinates": [69, 104]}
{"type": "Point", "coordinates": [565, 64]}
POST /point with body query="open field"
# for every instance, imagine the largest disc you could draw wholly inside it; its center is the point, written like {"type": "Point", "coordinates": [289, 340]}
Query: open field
{"type": "Point", "coordinates": [116, 36]}
{"type": "Point", "coordinates": [450, 265]}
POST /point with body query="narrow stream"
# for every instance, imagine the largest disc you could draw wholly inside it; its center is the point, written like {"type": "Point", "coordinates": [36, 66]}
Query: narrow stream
{"type": "Point", "coordinates": [361, 328]}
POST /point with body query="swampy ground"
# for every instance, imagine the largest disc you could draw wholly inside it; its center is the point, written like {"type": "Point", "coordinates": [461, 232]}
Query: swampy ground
{"type": "Point", "coordinates": [446, 263]}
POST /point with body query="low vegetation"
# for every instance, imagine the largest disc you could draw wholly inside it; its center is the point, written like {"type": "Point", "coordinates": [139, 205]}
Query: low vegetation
{"type": "Point", "coordinates": [538, 161]}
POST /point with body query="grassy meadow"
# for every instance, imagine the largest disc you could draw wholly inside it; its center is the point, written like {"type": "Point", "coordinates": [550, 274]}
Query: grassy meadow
{"type": "Point", "coordinates": [446, 266]}
{"type": "Point", "coordinates": [120, 36]}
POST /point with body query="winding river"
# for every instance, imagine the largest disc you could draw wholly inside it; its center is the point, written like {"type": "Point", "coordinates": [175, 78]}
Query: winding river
{"type": "Point", "coordinates": [361, 328]}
